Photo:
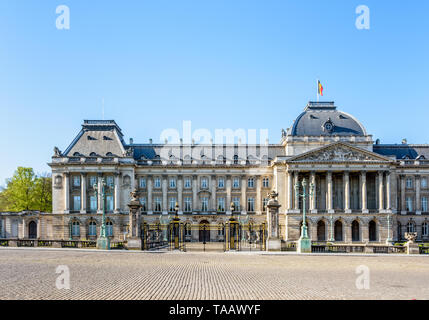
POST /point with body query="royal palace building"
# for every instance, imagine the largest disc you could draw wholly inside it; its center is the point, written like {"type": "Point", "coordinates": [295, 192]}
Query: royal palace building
{"type": "Point", "coordinates": [363, 191]}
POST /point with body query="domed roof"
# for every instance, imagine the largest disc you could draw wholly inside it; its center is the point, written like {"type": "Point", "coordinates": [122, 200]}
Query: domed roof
{"type": "Point", "coordinates": [323, 119]}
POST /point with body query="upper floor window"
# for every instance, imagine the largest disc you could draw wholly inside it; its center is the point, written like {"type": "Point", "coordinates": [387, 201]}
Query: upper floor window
{"type": "Point", "coordinates": [250, 183]}
{"type": "Point", "coordinates": [424, 182]}
{"type": "Point", "coordinates": [236, 202]}
{"type": "Point", "coordinates": [157, 182]}
{"type": "Point", "coordinates": [76, 203]}
{"type": "Point", "coordinates": [409, 183]}
{"type": "Point", "coordinates": [109, 181]}
{"type": "Point", "coordinates": [187, 183]}
{"type": "Point", "coordinates": [264, 204]}
{"type": "Point", "coordinates": [142, 183]}
{"type": "Point", "coordinates": [221, 183]}
{"type": "Point", "coordinates": [92, 181]}
{"type": "Point", "coordinates": [157, 203]}
{"type": "Point", "coordinates": [236, 182]}
{"type": "Point", "coordinates": [221, 204]}
{"type": "Point", "coordinates": [93, 203]}
{"type": "Point", "coordinates": [266, 182]}
{"type": "Point", "coordinates": [235, 159]}
{"type": "Point", "coordinates": [76, 181]}
{"type": "Point", "coordinates": [188, 204]}
{"type": "Point", "coordinates": [172, 204]}
{"type": "Point", "coordinates": [204, 204]}
{"type": "Point", "coordinates": [250, 204]}
{"type": "Point", "coordinates": [409, 203]}
{"type": "Point", "coordinates": [143, 203]}
{"type": "Point", "coordinates": [109, 203]}
{"type": "Point", "coordinates": [424, 204]}
{"type": "Point", "coordinates": [204, 183]}
{"type": "Point", "coordinates": [172, 183]}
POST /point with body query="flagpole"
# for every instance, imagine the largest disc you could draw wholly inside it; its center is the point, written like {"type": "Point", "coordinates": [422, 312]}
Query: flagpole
{"type": "Point", "coordinates": [317, 87]}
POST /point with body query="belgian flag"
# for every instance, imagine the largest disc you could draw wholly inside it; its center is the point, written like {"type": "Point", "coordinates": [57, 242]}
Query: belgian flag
{"type": "Point", "coordinates": [319, 88]}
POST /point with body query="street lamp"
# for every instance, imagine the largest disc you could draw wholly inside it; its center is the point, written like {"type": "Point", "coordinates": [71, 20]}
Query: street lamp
{"type": "Point", "coordinates": [304, 242]}
{"type": "Point", "coordinates": [103, 242]}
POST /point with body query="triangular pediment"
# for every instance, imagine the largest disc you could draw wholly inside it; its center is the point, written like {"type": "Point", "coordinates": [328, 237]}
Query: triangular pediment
{"type": "Point", "coordinates": [339, 152]}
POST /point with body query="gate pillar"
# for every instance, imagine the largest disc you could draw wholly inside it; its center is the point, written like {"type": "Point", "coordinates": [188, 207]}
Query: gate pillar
{"type": "Point", "coordinates": [273, 239]}
{"type": "Point", "coordinates": [134, 241]}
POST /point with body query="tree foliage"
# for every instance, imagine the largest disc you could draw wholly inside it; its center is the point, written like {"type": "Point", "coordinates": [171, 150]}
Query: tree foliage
{"type": "Point", "coordinates": [27, 191]}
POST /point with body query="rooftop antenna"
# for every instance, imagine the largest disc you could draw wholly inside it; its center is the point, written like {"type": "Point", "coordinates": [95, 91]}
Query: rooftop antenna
{"type": "Point", "coordinates": [102, 110]}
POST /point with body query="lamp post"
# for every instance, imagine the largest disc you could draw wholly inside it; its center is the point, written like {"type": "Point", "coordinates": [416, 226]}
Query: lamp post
{"type": "Point", "coordinates": [304, 242]}
{"type": "Point", "coordinates": [389, 221]}
{"type": "Point", "coordinates": [103, 242]}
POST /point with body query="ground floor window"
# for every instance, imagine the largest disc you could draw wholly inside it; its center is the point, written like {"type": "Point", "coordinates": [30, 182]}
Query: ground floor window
{"type": "Point", "coordinates": [411, 227]}
{"type": "Point", "coordinates": [372, 229]}
{"type": "Point", "coordinates": [425, 229]}
{"type": "Point", "coordinates": [321, 231]}
{"type": "Point", "coordinates": [75, 229]}
{"type": "Point", "coordinates": [338, 231]}
{"type": "Point", "coordinates": [109, 228]}
{"type": "Point", "coordinates": [92, 231]}
{"type": "Point", "coordinates": [355, 231]}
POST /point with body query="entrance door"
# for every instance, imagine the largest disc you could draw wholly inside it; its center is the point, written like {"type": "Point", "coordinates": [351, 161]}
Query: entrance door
{"type": "Point", "coordinates": [233, 235]}
{"type": "Point", "coordinates": [32, 230]}
{"type": "Point", "coordinates": [204, 235]}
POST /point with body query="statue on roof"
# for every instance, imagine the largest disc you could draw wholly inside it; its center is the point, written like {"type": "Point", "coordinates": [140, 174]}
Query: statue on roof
{"type": "Point", "coordinates": [283, 133]}
{"type": "Point", "coordinates": [57, 152]}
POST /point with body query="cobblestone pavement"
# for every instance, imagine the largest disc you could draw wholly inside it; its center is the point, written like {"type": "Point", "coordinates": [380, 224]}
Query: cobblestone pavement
{"type": "Point", "coordinates": [30, 274]}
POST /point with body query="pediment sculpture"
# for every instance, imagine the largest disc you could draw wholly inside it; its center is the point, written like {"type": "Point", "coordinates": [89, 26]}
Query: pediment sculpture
{"type": "Point", "coordinates": [338, 154]}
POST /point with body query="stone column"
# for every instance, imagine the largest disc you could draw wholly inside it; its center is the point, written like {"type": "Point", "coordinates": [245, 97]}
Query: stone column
{"type": "Point", "coordinates": [66, 192]}
{"type": "Point", "coordinates": [273, 239]}
{"type": "Point", "coordinates": [134, 237]}
{"type": "Point", "coordinates": [290, 190]}
{"type": "Point", "coordinates": [329, 182]}
{"type": "Point", "coordinates": [313, 208]}
{"type": "Point", "coordinates": [164, 195]}
{"type": "Point", "coordinates": [213, 205]}
{"type": "Point", "coordinates": [194, 194]}
{"type": "Point", "coordinates": [295, 181]}
{"type": "Point", "coordinates": [403, 204]}
{"type": "Point", "coordinates": [83, 192]}
{"type": "Point", "coordinates": [388, 205]}
{"type": "Point", "coordinates": [149, 203]}
{"type": "Point", "coordinates": [418, 200]}
{"type": "Point", "coordinates": [347, 192]}
{"type": "Point", "coordinates": [180, 194]}
{"type": "Point", "coordinates": [364, 195]}
{"type": "Point", "coordinates": [243, 195]}
{"type": "Point", "coordinates": [258, 204]}
{"type": "Point", "coordinates": [117, 194]}
{"type": "Point", "coordinates": [100, 197]}
{"type": "Point", "coordinates": [228, 194]}
{"type": "Point", "coordinates": [380, 191]}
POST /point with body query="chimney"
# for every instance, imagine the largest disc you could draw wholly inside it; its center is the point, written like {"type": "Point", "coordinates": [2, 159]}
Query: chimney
{"type": "Point", "coordinates": [150, 140]}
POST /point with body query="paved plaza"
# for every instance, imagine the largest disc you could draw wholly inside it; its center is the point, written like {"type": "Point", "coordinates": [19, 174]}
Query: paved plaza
{"type": "Point", "coordinates": [31, 274]}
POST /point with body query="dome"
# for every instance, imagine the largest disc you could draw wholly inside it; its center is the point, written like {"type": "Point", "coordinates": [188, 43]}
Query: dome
{"type": "Point", "coordinates": [323, 119]}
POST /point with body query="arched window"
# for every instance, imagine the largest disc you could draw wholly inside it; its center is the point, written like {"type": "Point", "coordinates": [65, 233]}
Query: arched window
{"type": "Point", "coordinates": [204, 235]}
{"type": "Point", "coordinates": [109, 229]}
{"type": "Point", "coordinates": [355, 231]}
{"type": "Point", "coordinates": [372, 230]}
{"type": "Point", "coordinates": [32, 230]}
{"type": "Point", "coordinates": [75, 229]}
{"type": "Point", "coordinates": [338, 230]}
{"type": "Point", "coordinates": [235, 159]}
{"type": "Point", "coordinates": [92, 230]}
{"type": "Point", "coordinates": [321, 231]}
{"type": "Point", "coordinates": [411, 227]}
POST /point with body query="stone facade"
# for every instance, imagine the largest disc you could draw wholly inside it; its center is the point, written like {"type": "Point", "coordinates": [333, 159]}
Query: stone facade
{"type": "Point", "coordinates": [363, 191]}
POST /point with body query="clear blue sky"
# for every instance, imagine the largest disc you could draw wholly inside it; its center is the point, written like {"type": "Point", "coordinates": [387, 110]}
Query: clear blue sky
{"type": "Point", "coordinates": [221, 64]}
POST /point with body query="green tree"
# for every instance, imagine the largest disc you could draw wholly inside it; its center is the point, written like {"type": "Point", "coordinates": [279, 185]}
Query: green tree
{"type": "Point", "coordinates": [43, 193]}
{"type": "Point", "coordinates": [20, 190]}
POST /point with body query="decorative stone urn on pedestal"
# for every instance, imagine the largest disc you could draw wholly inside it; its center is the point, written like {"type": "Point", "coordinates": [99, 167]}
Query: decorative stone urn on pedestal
{"type": "Point", "coordinates": [134, 241]}
{"type": "Point", "coordinates": [412, 247]}
{"type": "Point", "coordinates": [273, 239]}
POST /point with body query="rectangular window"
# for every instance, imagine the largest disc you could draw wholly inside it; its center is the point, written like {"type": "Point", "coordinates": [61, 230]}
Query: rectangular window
{"type": "Point", "coordinates": [204, 183]}
{"type": "Point", "coordinates": [409, 202]}
{"type": "Point", "coordinates": [188, 204]}
{"type": "Point", "coordinates": [157, 183]}
{"type": "Point", "coordinates": [250, 204]}
{"type": "Point", "coordinates": [236, 202]}
{"type": "Point", "coordinates": [409, 183]}
{"type": "Point", "coordinates": [236, 183]}
{"type": "Point", "coordinates": [266, 183]}
{"type": "Point", "coordinates": [109, 203]}
{"type": "Point", "coordinates": [157, 204]}
{"type": "Point", "coordinates": [187, 184]}
{"type": "Point", "coordinates": [76, 203]}
{"type": "Point", "coordinates": [221, 204]}
{"type": "Point", "coordinates": [425, 229]}
{"type": "Point", "coordinates": [142, 183]}
{"type": "Point", "coordinates": [143, 203]}
{"type": "Point", "coordinates": [424, 183]}
{"type": "Point", "coordinates": [172, 204]}
{"type": "Point", "coordinates": [250, 183]}
{"type": "Point", "coordinates": [424, 204]}
{"type": "Point", "coordinates": [264, 204]}
{"type": "Point", "coordinates": [188, 231]}
{"type": "Point", "coordinates": [109, 181]}
{"type": "Point", "coordinates": [92, 181]}
{"type": "Point", "coordinates": [204, 204]}
{"type": "Point", "coordinates": [76, 181]}
{"type": "Point", "coordinates": [93, 203]}
{"type": "Point", "coordinates": [221, 183]}
{"type": "Point", "coordinates": [172, 183]}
